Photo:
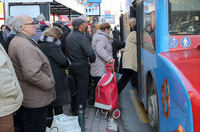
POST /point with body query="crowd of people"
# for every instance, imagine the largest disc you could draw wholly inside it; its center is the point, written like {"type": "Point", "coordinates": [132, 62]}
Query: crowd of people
{"type": "Point", "coordinates": [35, 54]}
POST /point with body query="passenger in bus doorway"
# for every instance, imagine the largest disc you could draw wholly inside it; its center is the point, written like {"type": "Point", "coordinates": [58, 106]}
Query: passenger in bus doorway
{"type": "Point", "coordinates": [129, 62]}
{"type": "Point", "coordinates": [132, 24]}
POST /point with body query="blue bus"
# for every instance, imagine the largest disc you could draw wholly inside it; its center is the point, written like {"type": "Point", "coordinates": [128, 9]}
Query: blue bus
{"type": "Point", "coordinates": [168, 45]}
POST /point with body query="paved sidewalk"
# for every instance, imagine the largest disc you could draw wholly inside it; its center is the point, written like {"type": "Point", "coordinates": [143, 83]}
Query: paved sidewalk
{"type": "Point", "coordinates": [94, 123]}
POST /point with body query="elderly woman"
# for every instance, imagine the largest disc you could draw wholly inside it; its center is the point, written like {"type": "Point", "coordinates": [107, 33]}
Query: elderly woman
{"type": "Point", "coordinates": [103, 50]}
{"type": "Point", "coordinates": [49, 44]}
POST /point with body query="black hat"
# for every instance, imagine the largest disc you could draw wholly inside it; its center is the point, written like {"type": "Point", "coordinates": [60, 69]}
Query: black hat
{"type": "Point", "coordinates": [59, 22]}
{"type": "Point", "coordinates": [76, 22]}
{"type": "Point", "coordinates": [35, 20]}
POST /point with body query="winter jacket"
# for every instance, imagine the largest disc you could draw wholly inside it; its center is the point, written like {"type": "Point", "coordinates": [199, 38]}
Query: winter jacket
{"type": "Point", "coordinates": [103, 50]}
{"type": "Point", "coordinates": [37, 35]}
{"type": "Point", "coordinates": [5, 32]}
{"type": "Point", "coordinates": [129, 60]}
{"type": "Point", "coordinates": [11, 96]}
{"type": "Point", "coordinates": [43, 26]}
{"type": "Point", "coordinates": [116, 34]}
{"type": "Point", "coordinates": [33, 71]}
{"type": "Point", "coordinates": [79, 49]}
{"type": "Point", "coordinates": [59, 62]}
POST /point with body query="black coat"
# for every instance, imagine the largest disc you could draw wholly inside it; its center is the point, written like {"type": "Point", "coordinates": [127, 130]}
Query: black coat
{"type": "Point", "coordinates": [117, 45]}
{"type": "Point", "coordinates": [116, 34]}
{"type": "Point", "coordinates": [79, 49]}
{"type": "Point", "coordinates": [58, 62]}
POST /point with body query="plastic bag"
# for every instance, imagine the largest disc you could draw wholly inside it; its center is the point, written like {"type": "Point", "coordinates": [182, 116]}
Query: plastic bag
{"type": "Point", "coordinates": [64, 123]}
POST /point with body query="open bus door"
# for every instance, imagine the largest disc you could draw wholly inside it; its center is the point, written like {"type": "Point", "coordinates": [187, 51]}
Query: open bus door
{"type": "Point", "coordinates": [139, 44]}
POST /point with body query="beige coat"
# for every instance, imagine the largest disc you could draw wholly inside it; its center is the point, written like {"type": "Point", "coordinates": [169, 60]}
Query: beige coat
{"type": "Point", "coordinates": [129, 60]}
{"type": "Point", "coordinates": [11, 96]}
{"type": "Point", "coordinates": [33, 71]}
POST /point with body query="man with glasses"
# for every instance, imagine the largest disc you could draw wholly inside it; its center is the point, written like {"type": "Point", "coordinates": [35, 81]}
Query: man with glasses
{"type": "Point", "coordinates": [80, 54]}
{"type": "Point", "coordinates": [34, 74]}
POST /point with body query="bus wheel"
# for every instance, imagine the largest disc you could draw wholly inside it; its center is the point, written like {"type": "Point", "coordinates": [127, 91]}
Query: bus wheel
{"type": "Point", "coordinates": [153, 108]}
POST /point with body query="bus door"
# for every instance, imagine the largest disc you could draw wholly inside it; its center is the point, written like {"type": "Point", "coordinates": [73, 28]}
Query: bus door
{"type": "Point", "coordinates": [145, 19]}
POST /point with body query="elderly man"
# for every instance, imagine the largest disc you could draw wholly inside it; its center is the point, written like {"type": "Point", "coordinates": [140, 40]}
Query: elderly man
{"type": "Point", "coordinates": [42, 19]}
{"type": "Point", "coordinates": [132, 24]}
{"type": "Point", "coordinates": [9, 23]}
{"type": "Point", "coordinates": [34, 73]}
{"type": "Point", "coordinates": [11, 96]}
{"type": "Point", "coordinates": [79, 51]}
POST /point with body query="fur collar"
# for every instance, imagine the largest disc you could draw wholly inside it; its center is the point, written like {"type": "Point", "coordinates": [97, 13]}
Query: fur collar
{"type": "Point", "coordinates": [45, 38]}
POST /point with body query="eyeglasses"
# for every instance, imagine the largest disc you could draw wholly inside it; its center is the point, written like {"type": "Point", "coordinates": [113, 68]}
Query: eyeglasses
{"type": "Point", "coordinates": [33, 23]}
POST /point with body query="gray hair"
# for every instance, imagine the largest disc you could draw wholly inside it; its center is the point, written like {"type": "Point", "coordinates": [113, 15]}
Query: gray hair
{"type": "Point", "coordinates": [41, 17]}
{"type": "Point", "coordinates": [10, 20]}
{"type": "Point", "coordinates": [18, 23]}
{"type": "Point", "coordinates": [133, 19]}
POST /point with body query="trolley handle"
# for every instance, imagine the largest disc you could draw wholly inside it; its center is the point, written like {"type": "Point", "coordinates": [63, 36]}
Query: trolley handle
{"type": "Point", "coordinates": [110, 65]}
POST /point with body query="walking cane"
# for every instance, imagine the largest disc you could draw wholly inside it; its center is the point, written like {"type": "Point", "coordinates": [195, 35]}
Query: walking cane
{"type": "Point", "coordinates": [119, 64]}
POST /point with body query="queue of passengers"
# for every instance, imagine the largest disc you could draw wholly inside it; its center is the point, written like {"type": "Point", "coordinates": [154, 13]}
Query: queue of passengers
{"type": "Point", "coordinates": [33, 68]}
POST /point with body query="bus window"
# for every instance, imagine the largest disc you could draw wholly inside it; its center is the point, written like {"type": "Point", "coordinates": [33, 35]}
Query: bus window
{"type": "Point", "coordinates": [148, 28]}
{"type": "Point", "coordinates": [184, 17]}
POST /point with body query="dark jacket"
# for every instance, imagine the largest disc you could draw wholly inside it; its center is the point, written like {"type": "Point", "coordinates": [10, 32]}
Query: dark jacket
{"type": "Point", "coordinates": [1, 38]}
{"type": "Point", "coordinates": [79, 49]}
{"type": "Point", "coordinates": [58, 62]}
{"type": "Point", "coordinates": [5, 32]}
{"type": "Point", "coordinates": [88, 35]}
{"type": "Point", "coordinates": [7, 42]}
{"type": "Point", "coordinates": [116, 34]}
{"type": "Point", "coordinates": [117, 45]}
{"type": "Point", "coordinates": [43, 26]}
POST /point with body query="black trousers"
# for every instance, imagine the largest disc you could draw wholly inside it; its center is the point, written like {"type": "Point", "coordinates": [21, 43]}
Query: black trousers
{"type": "Point", "coordinates": [32, 119]}
{"type": "Point", "coordinates": [81, 75]}
{"type": "Point", "coordinates": [57, 110]}
{"type": "Point", "coordinates": [127, 74]}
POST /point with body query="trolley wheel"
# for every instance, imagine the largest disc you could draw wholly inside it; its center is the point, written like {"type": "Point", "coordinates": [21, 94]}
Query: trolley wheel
{"type": "Point", "coordinates": [116, 114]}
{"type": "Point", "coordinates": [104, 111]}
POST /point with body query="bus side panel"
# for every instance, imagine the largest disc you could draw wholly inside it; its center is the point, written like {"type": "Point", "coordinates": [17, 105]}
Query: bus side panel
{"type": "Point", "coordinates": [174, 103]}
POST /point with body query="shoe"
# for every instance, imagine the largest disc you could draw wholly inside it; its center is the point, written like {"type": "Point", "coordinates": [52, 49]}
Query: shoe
{"type": "Point", "coordinates": [86, 116]}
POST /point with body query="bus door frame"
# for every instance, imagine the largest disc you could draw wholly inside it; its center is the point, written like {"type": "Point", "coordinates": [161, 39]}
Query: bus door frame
{"type": "Point", "coordinates": [139, 44]}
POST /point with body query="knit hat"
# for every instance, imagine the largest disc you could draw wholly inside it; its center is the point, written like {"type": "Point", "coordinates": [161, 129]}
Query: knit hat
{"type": "Point", "coordinates": [35, 20]}
{"type": "Point", "coordinates": [76, 22]}
{"type": "Point", "coordinates": [59, 22]}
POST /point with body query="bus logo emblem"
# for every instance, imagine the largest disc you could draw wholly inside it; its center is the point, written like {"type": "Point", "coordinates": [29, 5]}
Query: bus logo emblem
{"type": "Point", "coordinates": [185, 42]}
{"type": "Point", "coordinates": [173, 42]}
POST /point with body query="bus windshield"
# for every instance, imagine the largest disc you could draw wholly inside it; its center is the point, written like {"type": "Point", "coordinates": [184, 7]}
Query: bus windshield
{"type": "Point", "coordinates": [184, 17]}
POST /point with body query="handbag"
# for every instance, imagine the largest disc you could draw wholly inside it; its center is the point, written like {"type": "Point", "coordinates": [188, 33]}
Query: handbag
{"type": "Point", "coordinates": [72, 84]}
{"type": "Point", "coordinates": [64, 123]}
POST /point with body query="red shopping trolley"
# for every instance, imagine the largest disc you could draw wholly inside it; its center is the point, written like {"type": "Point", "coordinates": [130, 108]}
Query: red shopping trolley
{"type": "Point", "coordinates": [107, 93]}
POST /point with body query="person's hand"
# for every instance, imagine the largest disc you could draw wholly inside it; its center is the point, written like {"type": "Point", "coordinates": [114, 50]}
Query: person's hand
{"type": "Point", "coordinates": [122, 50]}
{"type": "Point", "coordinates": [111, 61]}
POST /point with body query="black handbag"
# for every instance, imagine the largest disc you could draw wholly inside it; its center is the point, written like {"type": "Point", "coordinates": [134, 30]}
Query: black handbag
{"type": "Point", "coordinates": [72, 84]}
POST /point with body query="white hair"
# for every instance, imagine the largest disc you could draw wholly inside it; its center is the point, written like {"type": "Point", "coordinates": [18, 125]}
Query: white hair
{"type": "Point", "coordinates": [10, 20]}
{"type": "Point", "coordinates": [41, 17]}
{"type": "Point", "coordinates": [133, 19]}
{"type": "Point", "coordinates": [18, 23]}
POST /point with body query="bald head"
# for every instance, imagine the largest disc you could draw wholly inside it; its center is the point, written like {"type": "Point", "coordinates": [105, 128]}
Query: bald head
{"type": "Point", "coordinates": [24, 24]}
